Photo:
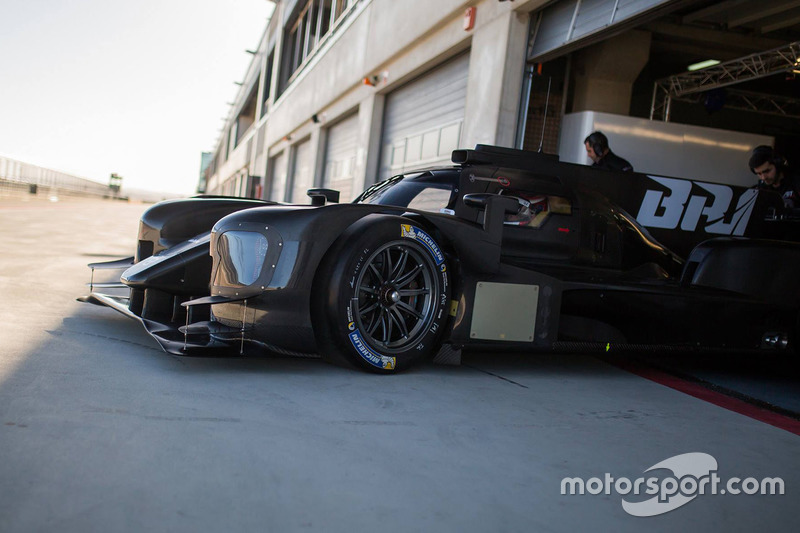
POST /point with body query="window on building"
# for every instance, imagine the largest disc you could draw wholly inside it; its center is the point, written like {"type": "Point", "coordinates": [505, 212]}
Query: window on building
{"type": "Point", "coordinates": [267, 86]}
{"type": "Point", "coordinates": [247, 116]}
{"type": "Point", "coordinates": [231, 144]}
{"type": "Point", "coordinates": [306, 31]}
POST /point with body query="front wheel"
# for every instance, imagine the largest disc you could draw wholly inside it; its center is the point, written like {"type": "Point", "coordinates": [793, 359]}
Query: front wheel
{"type": "Point", "coordinates": [382, 295]}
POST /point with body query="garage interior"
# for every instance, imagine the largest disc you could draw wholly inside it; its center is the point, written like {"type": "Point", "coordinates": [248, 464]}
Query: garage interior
{"type": "Point", "coordinates": [624, 68]}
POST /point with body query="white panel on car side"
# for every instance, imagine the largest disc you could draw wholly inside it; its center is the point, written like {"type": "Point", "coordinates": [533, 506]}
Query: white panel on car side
{"type": "Point", "coordinates": [504, 312]}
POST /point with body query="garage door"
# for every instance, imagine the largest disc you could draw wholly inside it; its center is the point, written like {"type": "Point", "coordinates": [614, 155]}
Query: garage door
{"type": "Point", "coordinates": [302, 173]}
{"type": "Point", "coordinates": [422, 120]}
{"type": "Point", "coordinates": [278, 188]}
{"type": "Point", "coordinates": [340, 157]}
{"type": "Point", "coordinates": [566, 25]}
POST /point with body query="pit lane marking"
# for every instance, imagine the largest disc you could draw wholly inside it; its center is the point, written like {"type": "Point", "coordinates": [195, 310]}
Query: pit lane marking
{"type": "Point", "coordinates": [702, 391]}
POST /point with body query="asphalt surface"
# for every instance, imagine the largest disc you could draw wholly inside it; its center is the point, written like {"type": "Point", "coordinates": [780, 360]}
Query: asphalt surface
{"type": "Point", "coordinates": [102, 431]}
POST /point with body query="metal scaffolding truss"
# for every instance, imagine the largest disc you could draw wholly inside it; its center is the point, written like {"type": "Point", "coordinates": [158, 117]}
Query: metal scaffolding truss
{"type": "Point", "coordinates": [754, 66]}
{"type": "Point", "coordinates": [784, 106]}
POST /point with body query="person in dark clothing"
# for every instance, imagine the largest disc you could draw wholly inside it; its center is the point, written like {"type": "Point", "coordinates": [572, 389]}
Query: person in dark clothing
{"type": "Point", "coordinates": [598, 151]}
{"type": "Point", "coordinates": [774, 175]}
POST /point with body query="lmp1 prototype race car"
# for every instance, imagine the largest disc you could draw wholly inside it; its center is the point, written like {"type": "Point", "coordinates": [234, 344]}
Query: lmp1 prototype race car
{"type": "Point", "coordinates": [506, 249]}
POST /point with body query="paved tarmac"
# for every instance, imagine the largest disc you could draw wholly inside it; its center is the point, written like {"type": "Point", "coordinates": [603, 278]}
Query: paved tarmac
{"type": "Point", "coordinates": [102, 431]}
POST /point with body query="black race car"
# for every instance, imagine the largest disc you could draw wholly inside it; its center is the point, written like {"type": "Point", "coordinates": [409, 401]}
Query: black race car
{"type": "Point", "coordinates": [506, 249]}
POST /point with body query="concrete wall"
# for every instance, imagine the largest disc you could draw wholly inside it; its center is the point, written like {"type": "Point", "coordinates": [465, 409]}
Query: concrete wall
{"type": "Point", "coordinates": [497, 63]}
{"type": "Point", "coordinates": [395, 41]}
{"type": "Point", "coordinates": [605, 72]}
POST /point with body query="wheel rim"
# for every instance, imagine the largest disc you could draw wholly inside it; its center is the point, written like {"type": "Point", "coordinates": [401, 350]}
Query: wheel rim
{"type": "Point", "coordinates": [395, 291]}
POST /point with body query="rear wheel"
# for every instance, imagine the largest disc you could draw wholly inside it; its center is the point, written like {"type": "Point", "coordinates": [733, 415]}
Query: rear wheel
{"type": "Point", "coordinates": [381, 296]}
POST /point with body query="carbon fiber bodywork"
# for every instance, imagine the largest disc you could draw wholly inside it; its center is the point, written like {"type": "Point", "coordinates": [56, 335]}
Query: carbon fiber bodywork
{"type": "Point", "coordinates": [613, 260]}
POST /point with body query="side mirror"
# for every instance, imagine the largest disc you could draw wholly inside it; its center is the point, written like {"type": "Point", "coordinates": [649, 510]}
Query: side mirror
{"type": "Point", "coordinates": [495, 208]}
{"type": "Point", "coordinates": [510, 204]}
{"type": "Point", "coordinates": [320, 196]}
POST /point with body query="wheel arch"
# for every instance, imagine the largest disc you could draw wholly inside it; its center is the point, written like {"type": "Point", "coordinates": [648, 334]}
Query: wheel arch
{"type": "Point", "coordinates": [439, 232]}
{"type": "Point", "coordinates": [333, 265]}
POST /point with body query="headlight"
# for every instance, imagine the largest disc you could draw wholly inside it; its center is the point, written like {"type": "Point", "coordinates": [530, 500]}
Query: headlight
{"type": "Point", "coordinates": [241, 257]}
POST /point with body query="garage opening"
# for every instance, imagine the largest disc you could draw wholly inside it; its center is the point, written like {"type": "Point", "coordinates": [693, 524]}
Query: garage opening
{"type": "Point", "coordinates": [747, 48]}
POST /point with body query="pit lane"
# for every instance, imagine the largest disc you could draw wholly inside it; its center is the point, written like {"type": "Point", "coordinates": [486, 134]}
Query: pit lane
{"type": "Point", "coordinates": [99, 429]}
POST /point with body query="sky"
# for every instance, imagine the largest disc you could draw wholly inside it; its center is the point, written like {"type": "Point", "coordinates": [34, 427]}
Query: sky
{"type": "Point", "coordinates": [140, 89]}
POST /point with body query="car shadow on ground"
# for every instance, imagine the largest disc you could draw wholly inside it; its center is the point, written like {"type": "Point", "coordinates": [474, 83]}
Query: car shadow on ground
{"type": "Point", "coordinates": [104, 331]}
{"type": "Point", "coordinates": [772, 381]}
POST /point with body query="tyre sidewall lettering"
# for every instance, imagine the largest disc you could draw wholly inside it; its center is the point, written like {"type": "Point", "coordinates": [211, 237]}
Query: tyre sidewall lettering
{"type": "Point", "coordinates": [364, 245]}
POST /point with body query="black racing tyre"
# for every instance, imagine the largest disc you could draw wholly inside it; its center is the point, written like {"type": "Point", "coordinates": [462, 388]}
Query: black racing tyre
{"type": "Point", "coordinates": [381, 295]}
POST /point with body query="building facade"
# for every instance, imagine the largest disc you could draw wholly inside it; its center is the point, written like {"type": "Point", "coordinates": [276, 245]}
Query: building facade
{"type": "Point", "coordinates": [344, 93]}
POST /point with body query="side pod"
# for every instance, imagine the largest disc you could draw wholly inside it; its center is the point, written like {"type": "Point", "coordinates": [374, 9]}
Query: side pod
{"type": "Point", "coordinates": [764, 270]}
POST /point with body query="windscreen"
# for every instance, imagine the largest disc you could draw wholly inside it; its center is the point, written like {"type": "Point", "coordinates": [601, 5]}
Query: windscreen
{"type": "Point", "coordinates": [424, 191]}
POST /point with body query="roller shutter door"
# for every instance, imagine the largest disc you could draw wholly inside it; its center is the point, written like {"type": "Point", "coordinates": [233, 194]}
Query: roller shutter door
{"type": "Point", "coordinates": [302, 174]}
{"type": "Point", "coordinates": [422, 120]}
{"type": "Point", "coordinates": [340, 157]}
{"type": "Point", "coordinates": [278, 188]}
{"type": "Point", "coordinates": [569, 24]}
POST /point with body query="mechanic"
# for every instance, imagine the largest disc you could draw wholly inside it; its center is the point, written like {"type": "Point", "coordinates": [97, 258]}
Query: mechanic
{"type": "Point", "coordinates": [774, 175]}
{"type": "Point", "coordinates": [598, 151]}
